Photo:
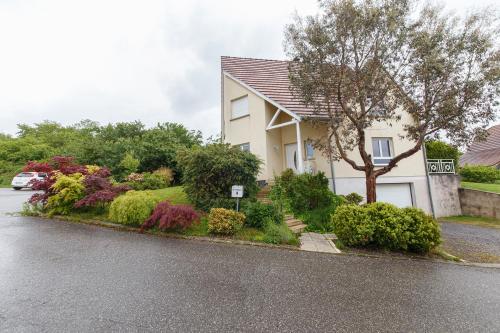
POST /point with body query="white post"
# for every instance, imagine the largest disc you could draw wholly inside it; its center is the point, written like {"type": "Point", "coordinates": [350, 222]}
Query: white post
{"type": "Point", "coordinates": [300, 166]}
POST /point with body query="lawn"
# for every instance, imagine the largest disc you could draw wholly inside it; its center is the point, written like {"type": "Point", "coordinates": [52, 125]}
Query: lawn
{"type": "Point", "coordinates": [174, 194]}
{"type": "Point", "coordinates": [473, 220]}
{"type": "Point", "coordinates": [482, 186]}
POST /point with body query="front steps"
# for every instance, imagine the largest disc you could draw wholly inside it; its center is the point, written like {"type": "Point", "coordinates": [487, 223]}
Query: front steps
{"type": "Point", "coordinates": [295, 225]}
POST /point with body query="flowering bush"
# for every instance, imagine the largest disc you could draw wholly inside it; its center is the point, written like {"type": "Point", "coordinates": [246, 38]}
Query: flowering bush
{"type": "Point", "coordinates": [169, 216]}
{"type": "Point", "coordinates": [135, 177]}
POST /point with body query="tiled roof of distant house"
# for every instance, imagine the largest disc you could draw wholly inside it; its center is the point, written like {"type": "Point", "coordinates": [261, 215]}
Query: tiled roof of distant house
{"type": "Point", "coordinates": [268, 77]}
{"type": "Point", "coordinates": [484, 152]}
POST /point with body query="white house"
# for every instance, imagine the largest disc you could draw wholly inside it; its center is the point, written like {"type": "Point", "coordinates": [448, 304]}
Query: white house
{"type": "Point", "coordinates": [260, 114]}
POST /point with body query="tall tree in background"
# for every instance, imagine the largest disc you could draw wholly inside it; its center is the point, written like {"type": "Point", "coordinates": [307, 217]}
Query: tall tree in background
{"type": "Point", "coordinates": [362, 62]}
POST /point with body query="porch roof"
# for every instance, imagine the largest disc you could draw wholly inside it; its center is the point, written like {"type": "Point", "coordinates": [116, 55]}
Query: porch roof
{"type": "Point", "coordinates": [270, 78]}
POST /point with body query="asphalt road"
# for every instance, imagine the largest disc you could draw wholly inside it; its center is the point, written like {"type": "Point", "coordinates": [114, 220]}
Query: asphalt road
{"type": "Point", "coordinates": [58, 276]}
{"type": "Point", "coordinates": [470, 242]}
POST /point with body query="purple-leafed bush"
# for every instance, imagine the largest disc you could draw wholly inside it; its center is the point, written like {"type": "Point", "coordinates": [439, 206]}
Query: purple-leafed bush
{"type": "Point", "coordinates": [99, 190]}
{"type": "Point", "coordinates": [168, 216]}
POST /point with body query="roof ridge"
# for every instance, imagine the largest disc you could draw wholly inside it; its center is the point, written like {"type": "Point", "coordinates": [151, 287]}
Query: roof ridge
{"type": "Point", "coordinates": [250, 58]}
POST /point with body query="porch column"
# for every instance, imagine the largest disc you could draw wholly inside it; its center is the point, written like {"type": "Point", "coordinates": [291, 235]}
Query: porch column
{"type": "Point", "coordinates": [300, 162]}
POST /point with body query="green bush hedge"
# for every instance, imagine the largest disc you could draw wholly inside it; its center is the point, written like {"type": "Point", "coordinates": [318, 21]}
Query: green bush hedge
{"type": "Point", "coordinates": [385, 226]}
{"type": "Point", "coordinates": [210, 171]}
{"type": "Point", "coordinates": [132, 208]}
{"type": "Point", "coordinates": [224, 221]}
{"type": "Point", "coordinates": [258, 213]}
{"type": "Point", "coordinates": [479, 174]}
{"type": "Point", "coordinates": [279, 234]}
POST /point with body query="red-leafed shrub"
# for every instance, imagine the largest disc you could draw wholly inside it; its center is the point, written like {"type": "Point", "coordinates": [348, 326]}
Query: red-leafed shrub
{"type": "Point", "coordinates": [99, 190]}
{"type": "Point", "coordinates": [168, 216]}
{"type": "Point", "coordinates": [35, 166]}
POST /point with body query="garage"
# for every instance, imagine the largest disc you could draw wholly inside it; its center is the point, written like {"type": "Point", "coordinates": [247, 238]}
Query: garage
{"type": "Point", "coordinates": [396, 194]}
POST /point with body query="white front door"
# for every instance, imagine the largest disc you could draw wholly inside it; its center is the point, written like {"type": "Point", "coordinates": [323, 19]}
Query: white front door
{"type": "Point", "coordinates": [396, 194]}
{"type": "Point", "coordinates": [291, 157]}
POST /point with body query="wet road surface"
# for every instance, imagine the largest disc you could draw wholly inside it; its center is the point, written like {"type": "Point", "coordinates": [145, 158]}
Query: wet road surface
{"type": "Point", "coordinates": [58, 276]}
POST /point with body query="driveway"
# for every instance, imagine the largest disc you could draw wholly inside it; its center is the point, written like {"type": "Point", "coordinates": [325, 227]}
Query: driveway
{"type": "Point", "coordinates": [58, 276]}
{"type": "Point", "coordinates": [470, 242]}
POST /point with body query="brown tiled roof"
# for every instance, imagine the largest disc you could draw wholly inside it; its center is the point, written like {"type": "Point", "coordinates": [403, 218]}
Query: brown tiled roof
{"type": "Point", "coordinates": [484, 152]}
{"type": "Point", "coordinates": [268, 77]}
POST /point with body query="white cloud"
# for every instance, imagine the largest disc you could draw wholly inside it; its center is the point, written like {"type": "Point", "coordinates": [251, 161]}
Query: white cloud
{"type": "Point", "coordinates": [117, 60]}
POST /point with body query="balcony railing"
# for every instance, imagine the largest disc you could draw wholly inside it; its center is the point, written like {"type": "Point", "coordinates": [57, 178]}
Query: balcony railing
{"type": "Point", "coordinates": [441, 166]}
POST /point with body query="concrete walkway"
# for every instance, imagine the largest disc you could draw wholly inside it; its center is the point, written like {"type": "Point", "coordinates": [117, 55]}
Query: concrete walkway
{"type": "Point", "coordinates": [314, 242]}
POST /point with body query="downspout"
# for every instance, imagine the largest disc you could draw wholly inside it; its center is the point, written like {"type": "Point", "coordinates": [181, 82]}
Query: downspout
{"type": "Point", "coordinates": [222, 132]}
{"type": "Point", "coordinates": [428, 181]}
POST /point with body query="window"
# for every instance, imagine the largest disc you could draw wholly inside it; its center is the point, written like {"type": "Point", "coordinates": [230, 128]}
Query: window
{"type": "Point", "coordinates": [239, 107]}
{"type": "Point", "coordinates": [244, 146]}
{"type": "Point", "coordinates": [309, 149]}
{"type": "Point", "coordinates": [382, 150]}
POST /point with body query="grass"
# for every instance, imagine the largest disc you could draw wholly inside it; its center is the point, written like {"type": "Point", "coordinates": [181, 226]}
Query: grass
{"type": "Point", "coordinates": [174, 194]}
{"type": "Point", "coordinates": [473, 220]}
{"type": "Point", "coordinates": [495, 188]}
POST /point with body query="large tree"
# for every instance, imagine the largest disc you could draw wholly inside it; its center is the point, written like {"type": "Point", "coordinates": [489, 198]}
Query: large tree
{"type": "Point", "coordinates": [361, 62]}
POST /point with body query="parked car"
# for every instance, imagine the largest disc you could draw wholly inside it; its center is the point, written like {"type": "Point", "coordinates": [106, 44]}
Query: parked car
{"type": "Point", "coordinates": [26, 179]}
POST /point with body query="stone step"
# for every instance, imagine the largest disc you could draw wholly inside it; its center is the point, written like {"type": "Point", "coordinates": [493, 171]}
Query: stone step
{"type": "Point", "coordinates": [289, 217]}
{"type": "Point", "coordinates": [298, 228]}
{"type": "Point", "coordinates": [294, 222]}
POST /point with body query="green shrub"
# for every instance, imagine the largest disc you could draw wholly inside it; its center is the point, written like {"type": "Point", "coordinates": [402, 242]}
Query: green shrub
{"type": "Point", "coordinates": [210, 171]}
{"type": "Point", "coordinates": [319, 219]}
{"type": "Point", "coordinates": [440, 150]}
{"type": "Point", "coordinates": [224, 221]}
{"type": "Point", "coordinates": [307, 192]}
{"type": "Point", "coordinates": [385, 226]}
{"type": "Point", "coordinates": [166, 173]}
{"type": "Point", "coordinates": [132, 208]}
{"type": "Point", "coordinates": [258, 213]}
{"type": "Point", "coordinates": [66, 191]}
{"type": "Point", "coordinates": [353, 198]}
{"type": "Point", "coordinates": [479, 174]}
{"type": "Point", "coordinates": [279, 234]}
{"type": "Point", "coordinates": [147, 181]}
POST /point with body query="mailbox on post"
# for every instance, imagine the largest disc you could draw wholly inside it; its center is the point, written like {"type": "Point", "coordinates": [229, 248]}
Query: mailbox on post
{"type": "Point", "coordinates": [237, 192]}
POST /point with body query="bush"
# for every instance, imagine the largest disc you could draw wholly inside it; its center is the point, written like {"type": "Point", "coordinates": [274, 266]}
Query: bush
{"type": "Point", "coordinates": [66, 190]}
{"type": "Point", "coordinates": [210, 171]}
{"type": "Point", "coordinates": [279, 234]}
{"type": "Point", "coordinates": [479, 174]}
{"type": "Point", "coordinates": [385, 226]}
{"type": "Point", "coordinates": [99, 190]}
{"type": "Point", "coordinates": [132, 208]}
{"type": "Point", "coordinates": [440, 150]}
{"type": "Point", "coordinates": [147, 181]}
{"type": "Point", "coordinates": [308, 192]}
{"type": "Point", "coordinates": [169, 216]}
{"type": "Point", "coordinates": [353, 198]}
{"type": "Point", "coordinates": [258, 213]}
{"type": "Point", "coordinates": [224, 221]}
{"type": "Point", "coordinates": [166, 173]}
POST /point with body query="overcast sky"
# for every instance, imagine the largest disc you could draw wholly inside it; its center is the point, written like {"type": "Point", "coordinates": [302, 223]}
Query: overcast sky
{"type": "Point", "coordinates": [119, 60]}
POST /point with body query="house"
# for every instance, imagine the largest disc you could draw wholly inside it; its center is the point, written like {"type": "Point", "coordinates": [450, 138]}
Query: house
{"type": "Point", "coordinates": [484, 152]}
{"type": "Point", "coordinates": [260, 114]}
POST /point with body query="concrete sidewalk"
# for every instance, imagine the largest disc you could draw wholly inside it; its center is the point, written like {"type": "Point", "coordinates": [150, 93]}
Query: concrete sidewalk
{"type": "Point", "coordinates": [314, 242]}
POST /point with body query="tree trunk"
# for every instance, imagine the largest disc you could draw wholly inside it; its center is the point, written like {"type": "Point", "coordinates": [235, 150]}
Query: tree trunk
{"type": "Point", "coordinates": [371, 194]}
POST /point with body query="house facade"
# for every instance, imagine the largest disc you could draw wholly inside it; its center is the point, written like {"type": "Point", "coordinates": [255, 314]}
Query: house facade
{"type": "Point", "coordinates": [259, 114]}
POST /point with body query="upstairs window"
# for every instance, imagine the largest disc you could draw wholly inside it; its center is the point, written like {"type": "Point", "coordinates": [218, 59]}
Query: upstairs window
{"type": "Point", "coordinates": [239, 107]}
{"type": "Point", "coordinates": [382, 151]}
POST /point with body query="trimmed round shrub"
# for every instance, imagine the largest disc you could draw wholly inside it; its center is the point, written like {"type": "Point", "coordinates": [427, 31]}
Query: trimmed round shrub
{"type": "Point", "coordinates": [353, 226]}
{"type": "Point", "coordinates": [353, 198]}
{"type": "Point", "coordinates": [385, 226]}
{"type": "Point", "coordinates": [132, 208]}
{"type": "Point", "coordinates": [224, 221]}
{"type": "Point", "coordinates": [479, 174]}
{"type": "Point", "coordinates": [258, 213]}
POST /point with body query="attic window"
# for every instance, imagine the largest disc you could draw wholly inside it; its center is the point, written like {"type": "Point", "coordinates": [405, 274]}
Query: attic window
{"type": "Point", "coordinates": [239, 107]}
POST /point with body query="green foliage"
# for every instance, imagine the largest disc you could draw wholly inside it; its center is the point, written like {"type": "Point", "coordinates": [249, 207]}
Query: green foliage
{"type": "Point", "coordinates": [257, 214]}
{"type": "Point", "coordinates": [441, 150]}
{"type": "Point", "coordinates": [223, 221]}
{"type": "Point", "coordinates": [318, 220]}
{"type": "Point", "coordinates": [128, 165]}
{"type": "Point", "coordinates": [132, 208]}
{"type": "Point", "coordinates": [385, 226]}
{"type": "Point", "coordinates": [307, 192]}
{"type": "Point", "coordinates": [479, 174]}
{"type": "Point", "coordinates": [148, 181]}
{"type": "Point", "coordinates": [279, 234]}
{"type": "Point", "coordinates": [67, 189]}
{"type": "Point", "coordinates": [210, 171]}
{"type": "Point", "coordinates": [353, 198]}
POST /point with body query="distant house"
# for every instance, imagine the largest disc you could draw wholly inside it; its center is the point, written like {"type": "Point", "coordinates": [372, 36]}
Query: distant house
{"type": "Point", "coordinates": [484, 152]}
{"type": "Point", "coordinates": [259, 114]}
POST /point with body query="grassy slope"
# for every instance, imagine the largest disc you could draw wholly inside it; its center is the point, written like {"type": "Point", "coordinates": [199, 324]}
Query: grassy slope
{"type": "Point", "coordinates": [175, 195]}
{"type": "Point", "coordinates": [482, 186]}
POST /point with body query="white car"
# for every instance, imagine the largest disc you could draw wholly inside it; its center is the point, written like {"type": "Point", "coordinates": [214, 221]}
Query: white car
{"type": "Point", "coordinates": [25, 179]}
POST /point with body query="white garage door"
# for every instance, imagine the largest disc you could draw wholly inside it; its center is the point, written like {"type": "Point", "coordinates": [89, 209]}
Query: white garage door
{"type": "Point", "coordinates": [396, 194]}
